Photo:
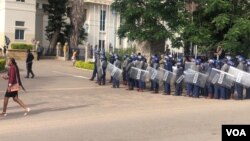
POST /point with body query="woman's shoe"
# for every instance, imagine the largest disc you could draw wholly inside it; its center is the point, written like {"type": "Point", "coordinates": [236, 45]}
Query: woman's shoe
{"type": "Point", "coordinates": [3, 114]}
{"type": "Point", "coordinates": [26, 112]}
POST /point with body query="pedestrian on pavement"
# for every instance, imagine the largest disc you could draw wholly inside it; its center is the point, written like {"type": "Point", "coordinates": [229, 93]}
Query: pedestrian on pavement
{"type": "Point", "coordinates": [14, 83]}
{"type": "Point", "coordinates": [39, 50]}
{"type": "Point", "coordinates": [74, 57]}
{"type": "Point", "coordinates": [29, 62]}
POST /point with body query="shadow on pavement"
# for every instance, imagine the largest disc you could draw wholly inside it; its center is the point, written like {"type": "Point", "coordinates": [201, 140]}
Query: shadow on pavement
{"type": "Point", "coordinates": [39, 111]}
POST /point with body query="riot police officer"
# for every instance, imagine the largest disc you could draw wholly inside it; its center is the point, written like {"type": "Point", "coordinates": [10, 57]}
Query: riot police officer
{"type": "Point", "coordinates": [168, 65]}
{"type": "Point", "coordinates": [239, 87]}
{"type": "Point", "coordinates": [116, 81]}
{"type": "Point", "coordinates": [179, 76]}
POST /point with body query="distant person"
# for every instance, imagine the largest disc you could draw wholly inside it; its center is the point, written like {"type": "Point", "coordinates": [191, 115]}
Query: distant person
{"type": "Point", "coordinates": [58, 49]}
{"type": "Point", "coordinates": [220, 53]}
{"type": "Point", "coordinates": [7, 41]}
{"type": "Point", "coordinates": [66, 50]}
{"type": "Point", "coordinates": [39, 50]}
{"type": "Point", "coordinates": [29, 63]}
{"type": "Point", "coordinates": [4, 51]}
{"type": "Point", "coordinates": [74, 57]}
{"type": "Point", "coordinates": [14, 82]}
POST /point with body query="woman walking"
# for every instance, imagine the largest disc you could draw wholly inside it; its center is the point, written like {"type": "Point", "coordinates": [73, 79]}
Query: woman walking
{"type": "Point", "coordinates": [14, 82]}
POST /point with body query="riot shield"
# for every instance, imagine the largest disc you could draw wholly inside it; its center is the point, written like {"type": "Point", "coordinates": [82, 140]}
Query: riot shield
{"type": "Point", "coordinates": [99, 72]}
{"type": "Point", "coordinates": [190, 65]}
{"type": "Point", "coordinates": [110, 67]}
{"type": "Point", "coordinates": [221, 78]}
{"type": "Point", "coordinates": [138, 74]}
{"type": "Point", "coordinates": [114, 71]}
{"type": "Point", "coordinates": [196, 78]}
{"type": "Point", "coordinates": [179, 79]}
{"type": "Point", "coordinates": [155, 74]}
{"type": "Point", "coordinates": [174, 69]}
{"type": "Point", "coordinates": [168, 76]}
{"type": "Point", "coordinates": [241, 77]}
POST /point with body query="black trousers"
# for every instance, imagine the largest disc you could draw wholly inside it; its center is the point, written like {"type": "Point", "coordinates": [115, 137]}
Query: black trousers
{"type": "Point", "coordinates": [29, 69]}
{"type": "Point", "coordinates": [38, 55]}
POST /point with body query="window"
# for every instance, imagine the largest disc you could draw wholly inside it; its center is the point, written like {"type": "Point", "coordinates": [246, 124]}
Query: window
{"type": "Point", "coordinates": [37, 5]}
{"type": "Point", "coordinates": [19, 34]}
{"type": "Point", "coordinates": [45, 7]}
{"type": "Point", "coordinates": [21, 0]}
{"type": "Point", "coordinates": [102, 20]}
{"type": "Point", "coordinates": [19, 23]}
{"type": "Point", "coordinates": [101, 44]}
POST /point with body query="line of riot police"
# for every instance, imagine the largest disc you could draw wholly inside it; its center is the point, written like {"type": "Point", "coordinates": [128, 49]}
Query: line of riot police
{"type": "Point", "coordinates": [217, 79]}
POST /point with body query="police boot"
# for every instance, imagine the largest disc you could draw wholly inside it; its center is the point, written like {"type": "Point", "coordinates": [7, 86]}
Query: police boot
{"type": "Point", "coordinates": [210, 96]}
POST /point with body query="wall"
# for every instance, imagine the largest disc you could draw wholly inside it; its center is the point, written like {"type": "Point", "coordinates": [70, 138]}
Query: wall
{"type": "Point", "coordinates": [19, 54]}
{"type": "Point", "coordinates": [2, 23]}
{"type": "Point", "coordinates": [20, 11]}
{"type": "Point", "coordinates": [93, 22]}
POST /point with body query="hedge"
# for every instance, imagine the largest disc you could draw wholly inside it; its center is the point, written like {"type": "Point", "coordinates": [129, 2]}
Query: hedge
{"type": "Point", "coordinates": [2, 64]}
{"type": "Point", "coordinates": [21, 46]}
{"type": "Point", "coordinates": [84, 65]}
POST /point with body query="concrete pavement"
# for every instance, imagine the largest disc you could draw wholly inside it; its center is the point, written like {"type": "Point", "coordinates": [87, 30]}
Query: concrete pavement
{"type": "Point", "coordinates": [67, 106]}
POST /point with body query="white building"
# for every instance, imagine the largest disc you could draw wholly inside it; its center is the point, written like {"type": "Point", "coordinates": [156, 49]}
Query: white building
{"type": "Point", "coordinates": [17, 20]}
{"type": "Point", "coordinates": [102, 24]}
{"type": "Point", "coordinates": [25, 20]}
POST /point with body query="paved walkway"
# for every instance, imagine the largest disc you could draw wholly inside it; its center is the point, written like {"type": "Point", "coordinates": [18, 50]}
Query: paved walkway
{"type": "Point", "coordinates": [67, 106]}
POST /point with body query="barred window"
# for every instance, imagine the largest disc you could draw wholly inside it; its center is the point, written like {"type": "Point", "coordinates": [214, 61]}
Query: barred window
{"type": "Point", "coordinates": [102, 20]}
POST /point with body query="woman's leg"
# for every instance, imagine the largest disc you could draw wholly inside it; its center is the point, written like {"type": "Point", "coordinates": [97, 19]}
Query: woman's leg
{"type": "Point", "coordinates": [5, 104]}
{"type": "Point", "coordinates": [20, 102]}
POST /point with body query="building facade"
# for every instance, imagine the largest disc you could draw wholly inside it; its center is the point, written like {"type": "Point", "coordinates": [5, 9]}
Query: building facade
{"type": "Point", "coordinates": [17, 21]}
{"type": "Point", "coordinates": [24, 21]}
{"type": "Point", "coordinates": [102, 24]}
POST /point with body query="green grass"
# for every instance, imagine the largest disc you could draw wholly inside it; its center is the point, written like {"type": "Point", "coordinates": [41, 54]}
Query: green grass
{"type": "Point", "coordinates": [2, 64]}
{"type": "Point", "coordinates": [21, 46]}
{"type": "Point", "coordinates": [84, 65]}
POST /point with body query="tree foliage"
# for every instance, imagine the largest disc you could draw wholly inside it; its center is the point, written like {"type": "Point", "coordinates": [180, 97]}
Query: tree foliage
{"type": "Point", "coordinates": [151, 20]}
{"type": "Point", "coordinates": [77, 18]}
{"type": "Point", "coordinates": [56, 21]}
{"type": "Point", "coordinates": [212, 23]}
{"type": "Point", "coordinates": [221, 22]}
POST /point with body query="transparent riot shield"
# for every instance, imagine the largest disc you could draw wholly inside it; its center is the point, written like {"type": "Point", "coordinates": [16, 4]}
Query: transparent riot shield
{"type": "Point", "coordinates": [196, 78]}
{"type": "Point", "coordinates": [138, 74]}
{"type": "Point", "coordinates": [179, 79]}
{"type": "Point", "coordinates": [99, 72]}
{"type": "Point", "coordinates": [168, 76]}
{"type": "Point", "coordinates": [155, 74]}
{"type": "Point", "coordinates": [114, 71]}
{"type": "Point", "coordinates": [190, 65]}
{"type": "Point", "coordinates": [221, 78]}
{"type": "Point", "coordinates": [110, 67]}
{"type": "Point", "coordinates": [174, 69]}
{"type": "Point", "coordinates": [241, 77]}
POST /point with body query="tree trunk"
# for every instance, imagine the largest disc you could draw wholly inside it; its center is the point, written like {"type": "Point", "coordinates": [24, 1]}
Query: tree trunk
{"type": "Point", "coordinates": [148, 48]}
{"type": "Point", "coordinates": [53, 42]}
{"type": "Point", "coordinates": [77, 20]}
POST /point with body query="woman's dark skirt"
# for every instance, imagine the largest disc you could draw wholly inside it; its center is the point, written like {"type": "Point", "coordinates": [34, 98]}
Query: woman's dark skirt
{"type": "Point", "coordinates": [11, 94]}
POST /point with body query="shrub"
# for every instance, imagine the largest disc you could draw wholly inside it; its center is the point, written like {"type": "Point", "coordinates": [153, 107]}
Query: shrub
{"type": "Point", "coordinates": [21, 46]}
{"type": "Point", "coordinates": [2, 64]}
{"type": "Point", "coordinates": [84, 65]}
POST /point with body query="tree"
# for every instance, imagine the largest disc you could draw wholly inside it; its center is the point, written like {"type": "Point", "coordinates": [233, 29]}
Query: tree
{"type": "Point", "coordinates": [152, 20]}
{"type": "Point", "coordinates": [56, 21]}
{"type": "Point", "coordinates": [77, 18]}
{"type": "Point", "coordinates": [220, 22]}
